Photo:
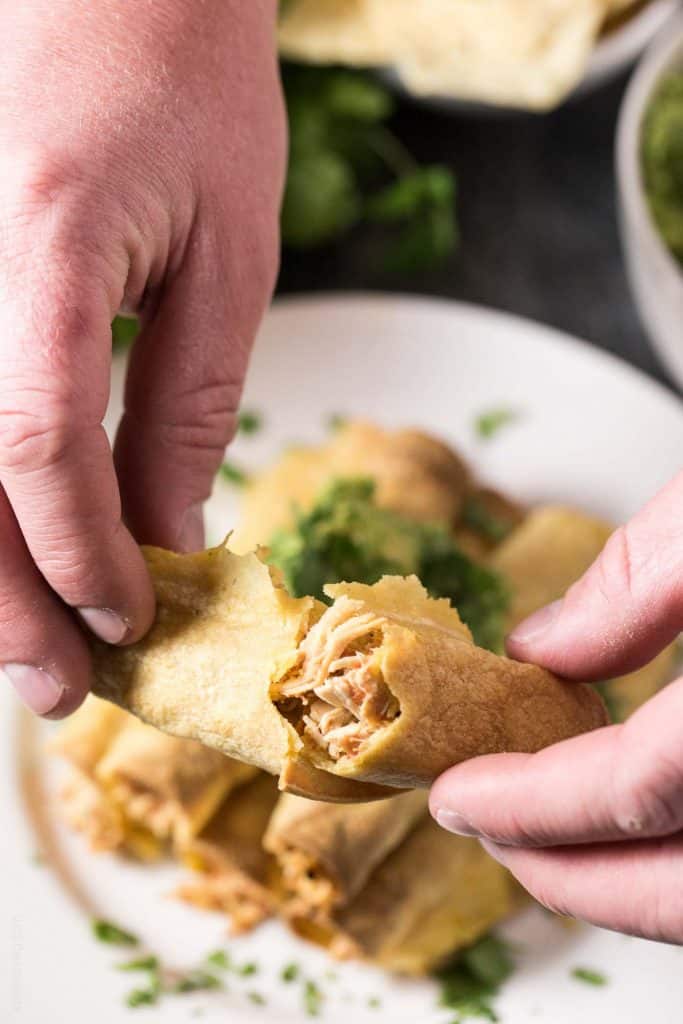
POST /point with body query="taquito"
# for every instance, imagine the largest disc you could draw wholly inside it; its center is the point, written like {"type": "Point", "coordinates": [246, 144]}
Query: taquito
{"type": "Point", "coordinates": [234, 869]}
{"type": "Point", "coordinates": [433, 895]}
{"type": "Point", "coordinates": [541, 559]}
{"type": "Point", "coordinates": [82, 741]}
{"type": "Point", "coordinates": [326, 854]}
{"type": "Point", "coordinates": [166, 785]}
{"type": "Point", "coordinates": [414, 474]}
{"type": "Point", "coordinates": [384, 687]}
{"type": "Point", "coordinates": [545, 554]}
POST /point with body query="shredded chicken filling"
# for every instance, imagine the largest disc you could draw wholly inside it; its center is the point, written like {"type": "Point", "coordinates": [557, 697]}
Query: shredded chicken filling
{"type": "Point", "coordinates": [305, 883]}
{"type": "Point", "coordinates": [337, 692]}
{"type": "Point", "coordinates": [158, 815]}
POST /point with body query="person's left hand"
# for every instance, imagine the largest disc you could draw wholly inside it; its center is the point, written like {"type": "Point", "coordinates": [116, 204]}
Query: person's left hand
{"type": "Point", "coordinates": [593, 827]}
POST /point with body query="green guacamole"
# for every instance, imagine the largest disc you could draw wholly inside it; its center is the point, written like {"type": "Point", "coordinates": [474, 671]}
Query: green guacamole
{"type": "Point", "coordinates": [347, 537]}
{"type": "Point", "coordinates": [662, 160]}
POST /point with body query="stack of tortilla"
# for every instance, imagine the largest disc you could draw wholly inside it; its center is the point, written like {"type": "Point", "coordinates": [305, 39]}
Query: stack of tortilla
{"type": "Point", "coordinates": [514, 53]}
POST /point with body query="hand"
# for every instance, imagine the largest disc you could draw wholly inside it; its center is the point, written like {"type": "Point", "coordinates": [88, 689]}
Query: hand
{"type": "Point", "coordinates": [142, 153]}
{"type": "Point", "coordinates": [593, 827]}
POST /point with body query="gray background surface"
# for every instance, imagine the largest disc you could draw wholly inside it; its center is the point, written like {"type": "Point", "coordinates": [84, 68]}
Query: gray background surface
{"type": "Point", "coordinates": [537, 216]}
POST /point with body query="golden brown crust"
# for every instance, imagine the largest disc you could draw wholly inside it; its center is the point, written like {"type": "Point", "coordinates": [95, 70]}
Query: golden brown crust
{"type": "Point", "coordinates": [167, 785]}
{"type": "Point", "coordinates": [233, 867]}
{"type": "Point", "coordinates": [434, 894]}
{"type": "Point", "coordinates": [548, 552]}
{"type": "Point", "coordinates": [326, 854]}
{"type": "Point", "coordinates": [225, 634]}
{"type": "Point", "coordinates": [457, 701]}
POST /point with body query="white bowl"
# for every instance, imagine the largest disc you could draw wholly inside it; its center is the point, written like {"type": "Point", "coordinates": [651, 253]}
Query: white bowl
{"type": "Point", "coordinates": [614, 52]}
{"type": "Point", "coordinates": [656, 276]}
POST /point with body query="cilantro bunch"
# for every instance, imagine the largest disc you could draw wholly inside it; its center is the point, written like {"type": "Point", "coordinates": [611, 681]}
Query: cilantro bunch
{"type": "Point", "coordinates": [348, 168]}
{"type": "Point", "coordinates": [347, 536]}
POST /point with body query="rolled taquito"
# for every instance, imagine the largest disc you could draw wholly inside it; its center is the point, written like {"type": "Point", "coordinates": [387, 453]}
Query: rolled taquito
{"type": "Point", "coordinates": [414, 474]}
{"type": "Point", "coordinates": [326, 854]}
{"type": "Point", "coordinates": [433, 895]}
{"type": "Point", "coordinates": [165, 785]}
{"type": "Point", "coordinates": [541, 559]}
{"type": "Point", "coordinates": [384, 688]}
{"type": "Point", "coordinates": [545, 554]}
{"type": "Point", "coordinates": [233, 870]}
{"type": "Point", "coordinates": [82, 741]}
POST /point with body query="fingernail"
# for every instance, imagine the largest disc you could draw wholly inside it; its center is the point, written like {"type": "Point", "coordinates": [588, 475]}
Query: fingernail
{"type": "Point", "coordinates": [454, 822]}
{"type": "Point", "coordinates": [191, 533]}
{"type": "Point", "coordinates": [498, 853]}
{"type": "Point", "coordinates": [536, 625]}
{"type": "Point", "coordinates": [38, 689]}
{"type": "Point", "coordinates": [105, 624]}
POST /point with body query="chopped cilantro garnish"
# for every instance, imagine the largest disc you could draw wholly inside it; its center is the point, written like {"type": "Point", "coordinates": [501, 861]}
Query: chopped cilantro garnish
{"type": "Point", "coordinates": [477, 517]}
{"type": "Point", "coordinates": [105, 931]}
{"type": "Point", "coordinates": [374, 1002]}
{"type": "Point", "coordinates": [346, 536]}
{"type": "Point", "coordinates": [313, 998]}
{"type": "Point", "coordinates": [233, 474]}
{"type": "Point", "coordinates": [124, 331]}
{"type": "Point", "coordinates": [142, 963]}
{"type": "Point", "coordinates": [142, 997]}
{"type": "Point", "coordinates": [470, 983]}
{"type": "Point", "coordinates": [256, 998]}
{"type": "Point", "coordinates": [290, 973]}
{"type": "Point", "coordinates": [487, 424]}
{"type": "Point", "coordinates": [336, 421]}
{"type": "Point", "coordinates": [197, 981]}
{"type": "Point", "coordinates": [247, 970]}
{"type": "Point", "coordinates": [489, 960]}
{"type": "Point", "coordinates": [220, 958]}
{"type": "Point", "coordinates": [589, 977]}
{"type": "Point", "coordinates": [249, 422]}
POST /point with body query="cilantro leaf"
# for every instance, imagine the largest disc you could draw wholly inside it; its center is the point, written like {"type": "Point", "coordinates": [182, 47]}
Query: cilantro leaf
{"type": "Point", "coordinates": [233, 474]}
{"type": "Point", "coordinates": [470, 983]}
{"type": "Point", "coordinates": [249, 422]}
{"type": "Point", "coordinates": [477, 517]}
{"type": "Point", "coordinates": [143, 963]}
{"type": "Point", "coordinates": [322, 200]}
{"type": "Point", "coordinates": [110, 933]}
{"type": "Point", "coordinates": [124, 331]}
{"type": "Point", "coordinates": [491, 421]}
{"type": "Point", "coordinates": [589, 977]}
{"type": "Point", "coordinates": [197, 980]}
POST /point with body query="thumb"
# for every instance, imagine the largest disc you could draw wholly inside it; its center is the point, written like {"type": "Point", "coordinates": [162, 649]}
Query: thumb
{"type": "Point", "coordinates": [627, 606]}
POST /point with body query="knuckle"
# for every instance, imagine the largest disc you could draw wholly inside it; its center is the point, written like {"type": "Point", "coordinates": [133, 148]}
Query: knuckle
{"type": "Point", "coordinates": [35, 432]}
{"type": "Point", "coordinates": [199, 419]}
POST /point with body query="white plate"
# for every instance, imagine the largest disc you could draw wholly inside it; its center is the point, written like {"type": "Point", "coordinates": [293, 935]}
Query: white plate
{"type": "Point", "coordinates": [592, 431]}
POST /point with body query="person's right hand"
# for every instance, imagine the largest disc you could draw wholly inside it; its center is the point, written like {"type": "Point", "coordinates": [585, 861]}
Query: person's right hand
{"type": "Point", "coordinates": [142, 154]}
{"type": "Point", "coordinates": [593, 827]}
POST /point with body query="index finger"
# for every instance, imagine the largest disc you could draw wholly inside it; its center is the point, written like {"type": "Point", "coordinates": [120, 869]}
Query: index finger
{"type": "Point", "coordinates": [56, 464]}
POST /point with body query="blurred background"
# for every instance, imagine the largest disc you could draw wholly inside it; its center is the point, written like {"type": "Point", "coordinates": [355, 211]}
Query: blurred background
{"type": "Point", "coordinates": [536, 210]}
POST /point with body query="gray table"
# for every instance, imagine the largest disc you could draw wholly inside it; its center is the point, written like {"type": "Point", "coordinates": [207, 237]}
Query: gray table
{"type": "Point", "coordinates": [537, 213]}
